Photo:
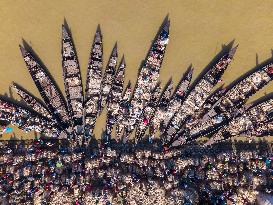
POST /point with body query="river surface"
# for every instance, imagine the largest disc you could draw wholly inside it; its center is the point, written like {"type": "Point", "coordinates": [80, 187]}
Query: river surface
{"type": "Point", "coordinates": [198, 30]}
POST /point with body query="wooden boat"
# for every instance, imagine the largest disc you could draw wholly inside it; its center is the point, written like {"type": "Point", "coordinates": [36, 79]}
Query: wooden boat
{"type": "Point", "coordinates": [115, 97]}
{"type": "Point", "coordinates": [72, 77]}
{"type": "Point", "coordinates": [108, 77]}
{"type": "Point", "coordinates": [123, 109]}
{"type": "Point", "coordinates": [93, 83]}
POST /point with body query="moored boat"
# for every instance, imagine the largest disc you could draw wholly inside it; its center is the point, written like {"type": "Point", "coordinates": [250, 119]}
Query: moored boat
{"type": "Point", "coordinates": [93, 82]}
{"type": "Point", "coordinates": [108, 77]}
{"type": "Point", "coordinates": [72, 77]}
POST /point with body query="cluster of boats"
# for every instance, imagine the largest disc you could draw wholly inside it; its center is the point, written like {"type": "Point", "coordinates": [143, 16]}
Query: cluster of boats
{"type": "Point", "coordinates": [177, 115]}
{"type": "Point", "coordinates": [228, 106]}
{"type": "Point", "coordinates": [71, 161]}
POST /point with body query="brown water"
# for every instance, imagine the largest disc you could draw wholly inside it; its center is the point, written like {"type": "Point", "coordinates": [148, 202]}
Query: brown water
{"type": "Point", "coordinates": [198, 30]}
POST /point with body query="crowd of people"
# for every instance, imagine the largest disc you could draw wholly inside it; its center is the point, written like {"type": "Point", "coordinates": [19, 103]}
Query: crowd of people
{"type": "Point", "coordinates": [52, 172]}
{"type": "Point", "coordinates": [197, 118]}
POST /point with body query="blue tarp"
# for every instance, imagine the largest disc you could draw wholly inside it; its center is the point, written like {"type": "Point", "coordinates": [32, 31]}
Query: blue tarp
{"type": "Point", "coordinates": [8, 129]}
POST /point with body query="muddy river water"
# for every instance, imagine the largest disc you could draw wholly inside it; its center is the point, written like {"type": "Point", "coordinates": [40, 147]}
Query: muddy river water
{"type": "Point", "coordinates": [198, 30]}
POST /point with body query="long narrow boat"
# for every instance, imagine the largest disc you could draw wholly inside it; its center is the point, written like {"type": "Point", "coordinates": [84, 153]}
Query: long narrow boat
{"type": "Point", "coordinates": [159, 113]}
{"type": "Point", "coordinates": [108, 77]}
{"type": "Point", "coordinates": [115, 97]}
{"type": "Point", "coordinates": [93, 82]}
{"type": "Point", "coordinates": [199, 94]}
{"type": "Point", "coordinates": [47, 88]}
{"type": "Point", "coordinates": [33, 102]}
{"type": "Point", "coordinates": [72, 77]}
{"type": "Point", "coordinates": [123, 108]}
{"type": "Point", "coordinates": [148, 76]}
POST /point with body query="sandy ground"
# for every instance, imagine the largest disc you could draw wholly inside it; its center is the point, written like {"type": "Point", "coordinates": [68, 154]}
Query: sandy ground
{"type": "Point", "coordinates": [198, 30]}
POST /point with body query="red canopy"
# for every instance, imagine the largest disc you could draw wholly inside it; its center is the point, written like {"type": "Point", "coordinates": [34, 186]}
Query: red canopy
{"type": "Point", "coordinates": [270, 70]}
